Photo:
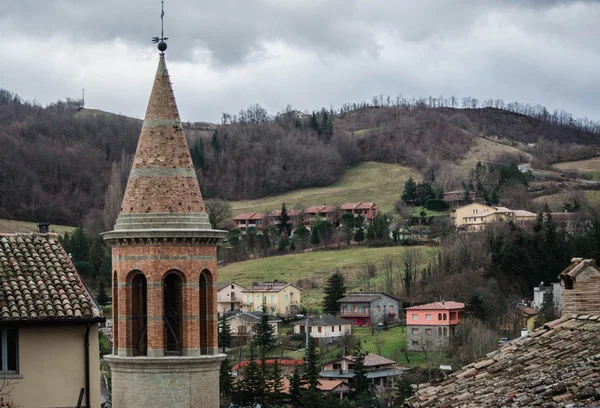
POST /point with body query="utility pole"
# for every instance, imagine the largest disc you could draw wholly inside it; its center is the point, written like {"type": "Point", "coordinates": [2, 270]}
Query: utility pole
{"type": "Point", "coordinates": [82, 97]}
{"type": "Point", "coordinates": [307, 339]}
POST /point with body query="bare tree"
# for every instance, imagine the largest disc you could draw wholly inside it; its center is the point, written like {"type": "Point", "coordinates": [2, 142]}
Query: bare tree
{"type": "Point", "coordinates": [219, 212]}
{"type": "Point", "coordinates": [472, 340]}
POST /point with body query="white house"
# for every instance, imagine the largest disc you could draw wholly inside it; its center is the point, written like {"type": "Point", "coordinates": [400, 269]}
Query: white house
{"type": "Point", "coordinates": [245, 324]}
{"type": "Point", "coordinates": [229, 297]}
{"type": "Point", "coordinates": [324, 327]}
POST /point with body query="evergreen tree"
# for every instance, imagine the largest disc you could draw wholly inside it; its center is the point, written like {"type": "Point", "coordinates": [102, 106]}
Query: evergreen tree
{"type": "Point", "coordinates": [360, 383]}
{"type": "Point", "coordinates": [313, 369]}
{"type": "Point", "coordinates": [251, 389]}
{"type": "Point", "coordinates": [314, 124]}
{"type": "Point", "coordinates": [409, 194]}
{"type": "Point", "coordinates": [276, 396]}
{"type": "Point", "coordinates": [79, 247]}
{"type": "Point", "coordinates": [96, 254]}
{"type": "Point", "coordinates": [370, 233]}
{"type": "Point", "coordinates": [297, 384]}
{"type": "Point", "coordinates": [215, 142]}
{"type": "Point", "coordinates": [348, 226]}
{"type": "Point", "coordinates": [225, 382]}
{"type": "Point", "coordinates": [359, 236]}
{"type": "Point", "coordinates": [334, 291]}
{"type": "Point", "coordinates": [285, 227]}
{"type": "Point", "coordinates": [225, 336]}
{"type": "Point", "coordinates": [197, 153]}
{"type": "Point", "coordinates": [102, 297]}
{"type": "Point", "coordinates": [314, 236]}
{"type": "Point", "coordinates": [302, 234]}
{"type": "Point", "coordinates": [547, 312]}
{"type": "Point", "coordinates": [474, 306]}
{"type": "Point", "coordinates": [380, 227]}
{"type": "Point", "coordinates": [404, 391]}
{"type": "Point", "coordinates": [264, 338]}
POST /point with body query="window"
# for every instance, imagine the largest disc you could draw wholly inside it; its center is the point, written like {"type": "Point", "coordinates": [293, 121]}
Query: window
{"type": "Point", "coordinates": [390, 308]}
{"type": "Point", "coordinates": [272, 299]}
{"type": "Point", "coordinates": [378, 308]}
{"type": "Point", "coordinates": [248, 299]}
{"type": "Point", "coordinates": [366, 310]}
{"type": "Point", "coordinates": [415, 342]}
{"type": "Point", "coordinates": [319, 329]}
{"type": "Point", "coordinates": [439, 316]}
{"type": "Point", "coordinates": [337, 366]}
{"type": "Point", "coordinates": [355, 308]}
{"type": "Point", "coordinates": [257, 297]}
{"type": "Point", "coordinates": [9, 358]}
{"type": "Point", "coordinates": [415, 316]}
{"type": "Point", "coordinates": [427, 317]}
{"type": "Point", "coordinates": [286, 298]}
{"type": "Point", "coordinates": [340, 328]}
{"type": "Point", "coordinates": [445, 316]}
{"type": "Point", "coordinates": [445, 331]}
{"type": "Point", "coordinates": [428, 331]}
{"type": "Point", "coordinates": [232, 287]}
{"type": "Point", "coordinates": [310, 329]}
{"type": "Point", "coordinates": [452, 315]}
{"type": "Point", "coordinates": [332, 329]}
{"type": "Point", "coordinates": [439, 331]}
{"type": "Point", "coordinates": [415, 331]}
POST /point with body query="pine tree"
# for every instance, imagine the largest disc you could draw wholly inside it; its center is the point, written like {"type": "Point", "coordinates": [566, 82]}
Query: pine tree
{"type": "Point", "coordinates": [225, 381]}
{"type": "Point", "coordinates": [96, 254]}
{"type": "Point", "coordinates": [251, 389]}
{"type": "Point", "coordinates": [314, 235]}
{"type": "Point", "coordinates": [547, 312]}
{"type": "Point", "coordinates": [404, 391]}
{"type": "Point", "coordinates": [225, 336]}
{"type": "Point", "coordinates": [312, 365]}
{"type": "Point", "coordinates": [284, 222]}
{"type": "Point", "coordinates": [334, 291]}
{"type": "Point", "coordinates": [361, 384]}
{"type": "Point", "coordinates": [264, 338]}
{"type": "Point", "coordinates": [359, 236]}
{"type": "Point", "coordinates": [276, 385]}
{"type": "Point", "coordinates": [215, 142]}
{"type": "Point", "coordinates": [102, 297]}
{"type": "Point", "coordinates": [409, 194]}
{"type": "Point", "coordinates": [297, 384]}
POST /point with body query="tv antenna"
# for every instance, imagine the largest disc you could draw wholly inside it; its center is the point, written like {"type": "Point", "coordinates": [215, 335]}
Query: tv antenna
{"type": "Point", "coordinates": [162, 45]}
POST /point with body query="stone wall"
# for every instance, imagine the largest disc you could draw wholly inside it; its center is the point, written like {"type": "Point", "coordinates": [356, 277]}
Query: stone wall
{"type": "Point", "coordinates": [174, 382]}
{"type": "Point", "coordinates": [584, 297]}
{"type": "Point", "coordinates": [428, 338]}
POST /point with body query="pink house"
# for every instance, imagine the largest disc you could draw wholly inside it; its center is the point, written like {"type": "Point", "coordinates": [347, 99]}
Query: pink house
{"type": "Point", "coordinates": [431, 326]}
{"type": "Point", "coordinates": [368, 210]}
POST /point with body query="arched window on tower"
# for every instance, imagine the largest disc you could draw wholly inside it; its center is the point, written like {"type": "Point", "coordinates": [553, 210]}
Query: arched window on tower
{"type": "Point", "coordinates": [173, 307]}
{"type": "Point", "coordinates": [139, 320]}
{"type": "Point", "coordinates": [115, 312]}
{"type": "Point", "coordinates": [206, 302]}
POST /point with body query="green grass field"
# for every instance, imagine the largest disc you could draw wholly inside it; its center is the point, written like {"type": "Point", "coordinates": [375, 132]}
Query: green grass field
{"type": "Point", "coordinates": [315, 266]}
{"type": "Point", "coordinates": [12, 226]}
{"type": "Point", "coordinates": [379, 182]}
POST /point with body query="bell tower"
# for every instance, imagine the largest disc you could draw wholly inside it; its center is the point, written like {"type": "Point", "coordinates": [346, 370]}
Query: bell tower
{"type": "Point", "coordinates": [164, 261]}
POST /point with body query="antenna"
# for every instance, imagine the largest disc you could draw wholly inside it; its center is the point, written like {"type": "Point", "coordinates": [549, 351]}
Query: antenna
{"type": "Point", "coordinates": [162, 45]}
{"type": "Point", "coordinates": [82, 97]}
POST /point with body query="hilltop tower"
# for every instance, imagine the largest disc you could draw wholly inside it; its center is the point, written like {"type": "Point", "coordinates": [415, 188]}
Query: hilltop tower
{"type": "Point", "coordinates": [164, 261]}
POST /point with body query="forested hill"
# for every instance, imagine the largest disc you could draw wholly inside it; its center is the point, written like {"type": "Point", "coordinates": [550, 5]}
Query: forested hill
{"type": "Point", "coordinates": [68, 165]}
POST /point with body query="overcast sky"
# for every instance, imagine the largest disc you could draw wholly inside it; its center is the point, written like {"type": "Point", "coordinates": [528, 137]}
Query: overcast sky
{"type": "Point", "coordinates": [225, 55]}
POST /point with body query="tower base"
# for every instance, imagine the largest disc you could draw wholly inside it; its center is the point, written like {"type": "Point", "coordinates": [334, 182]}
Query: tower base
{"type": "Point", "coordinates": [148, 382]}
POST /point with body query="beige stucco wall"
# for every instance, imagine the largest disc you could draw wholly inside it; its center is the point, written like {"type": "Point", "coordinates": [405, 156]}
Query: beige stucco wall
{"type": "Point", "coordinates": [224, 298]}
{"type": "Point", "coordinates": [326, 331]}
{"type": "Point", "coordinates": [52, 364]}
{"type": "Point", "coordinates": [474, 210]}
{"type": "Point", "coordinates": [279, 301]}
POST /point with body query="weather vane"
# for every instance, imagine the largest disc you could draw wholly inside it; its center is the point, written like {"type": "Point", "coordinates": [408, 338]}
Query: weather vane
{"type": "Point", "coordinates": [162, 45]}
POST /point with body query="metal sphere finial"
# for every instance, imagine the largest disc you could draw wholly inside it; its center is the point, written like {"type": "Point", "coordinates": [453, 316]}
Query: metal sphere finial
{"type": "Point", "coordinates": [162, 46]}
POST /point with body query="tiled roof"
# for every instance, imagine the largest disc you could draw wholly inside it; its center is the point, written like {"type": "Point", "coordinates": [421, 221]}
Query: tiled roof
{"type": "Point", "coordinates": [555, 366]}
{"type": "Point", "coordinates": [268, 287]}
{"type": "Point", "coordinates": [257, 216]}
{"type": "Point", "coordinates": [373, 360]}
{"type": "Point", "coordinates": [253, 317]}
{"type": "Point", "coordinates": [359, 299]}
{"type": "Point", "coordinates": [244, 216]}
{"type": "Point", "coordinates": [39, 282]}
{"type": "Point", "coordinates": [221, 285]}
{"type": "Point", "coordinates": [322, 321]}
{"type": "Point", "coordinates": [438, 306]}
{"type": "Point", "coordinates": [524, 213]}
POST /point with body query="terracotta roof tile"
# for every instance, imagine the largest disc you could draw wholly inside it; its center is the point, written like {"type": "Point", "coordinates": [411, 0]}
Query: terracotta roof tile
{"type": "Point", "coordinates": [438, 306]}
{"type": "Point", "coordinates": [556, 366]}
{"type": "Point", "coordinates": [39, 282]}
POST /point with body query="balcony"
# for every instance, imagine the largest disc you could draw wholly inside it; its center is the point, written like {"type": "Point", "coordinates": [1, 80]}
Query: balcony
{"type": "Point", "coordinates": [350, 313]}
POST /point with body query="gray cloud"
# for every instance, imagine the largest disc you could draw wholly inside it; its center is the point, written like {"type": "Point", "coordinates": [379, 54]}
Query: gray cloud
{"type": "Point", "coordinates": [226, 55]}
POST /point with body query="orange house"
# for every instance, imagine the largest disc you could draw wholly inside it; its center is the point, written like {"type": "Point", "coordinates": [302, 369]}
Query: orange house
{"type": "Point", "coordinates": [250, 219]}
{"type": "Point", "coordinates": [431, 326]}
{"type": "Point", "coordinates": [329, 212]}
{"type": "Point", "coordinates": [368, 210]}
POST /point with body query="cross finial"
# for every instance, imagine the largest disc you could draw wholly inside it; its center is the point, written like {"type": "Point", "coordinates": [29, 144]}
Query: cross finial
{"type": "Point", "coordinates": [162, 45]}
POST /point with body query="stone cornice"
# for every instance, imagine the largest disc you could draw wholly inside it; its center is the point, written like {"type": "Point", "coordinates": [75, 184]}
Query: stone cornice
{"type": "Point", "coordinates": [207, 237]}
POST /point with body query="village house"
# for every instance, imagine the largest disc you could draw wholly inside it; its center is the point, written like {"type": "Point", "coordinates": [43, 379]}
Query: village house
{"type": "Point", "coordinates": [475, 216]}
{"type": "Point", "coordinates": [538, 296]}
{"type": "Point", "coordinates": [367, 210]}
{"type": "Point", "coordinates": [244, 325]}
{"type": "Point", "coordinates": [456, 198]}
{"type": "Point", "coordinates": [48, 326]}
{"type": "Point", "coordinates": [281, 298]}
{"type": "Point", "coordinates": [554, 366]}
{"type": "Point", "coordinates": [364, 308]}
{"type": "Point", "coordinates": [246, 220]}
{"type": "Point", "coordinates": [330, 212]}
{"type": "Point", "coordinates": [430, 327]}
{"type": "Point", "coordinates": [338, 388]}
{"type": "Point", "coordinates": [324, 327]}
{"type": "Point", "coordinates": [382, 371]}
{"type": "Point", "coordinates": [296, 218]}
{"type": "Point", "coordinates": [229, 297]}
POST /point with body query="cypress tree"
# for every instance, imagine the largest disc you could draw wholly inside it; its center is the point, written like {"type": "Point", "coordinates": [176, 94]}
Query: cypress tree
{"type": "Point", "coordinates": [284, 221]}
{"type": "Point", "coordinates": [102, 297]}
{"type": "Point", "coordinates": [334, 291]}
{"type": "Point", "coordinates": [225, 336]}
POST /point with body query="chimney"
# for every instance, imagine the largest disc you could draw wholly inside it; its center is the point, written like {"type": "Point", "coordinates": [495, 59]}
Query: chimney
{"type": "Point", "coordinates": [580, 285]}
{"type": "Point", "coordinates": [43, 227]}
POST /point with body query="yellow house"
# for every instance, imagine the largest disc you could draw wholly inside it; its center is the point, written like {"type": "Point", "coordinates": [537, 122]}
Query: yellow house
{"type": "Point", "coordinates": [48, 326]}
{"type": "Point", "coordinates": [474, 217]}
{"type": "Point", "coordinates": [281, 298]}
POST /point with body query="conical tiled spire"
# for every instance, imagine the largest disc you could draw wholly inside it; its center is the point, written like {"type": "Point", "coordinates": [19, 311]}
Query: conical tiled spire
{"type": "Point", "coordinates": [162, 191]}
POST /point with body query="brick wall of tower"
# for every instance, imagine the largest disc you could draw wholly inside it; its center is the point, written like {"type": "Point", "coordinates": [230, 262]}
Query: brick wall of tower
{"type": "Point", "coordinates": [155, 261]}
{"type": "Point", "coordinates": [584, 297]}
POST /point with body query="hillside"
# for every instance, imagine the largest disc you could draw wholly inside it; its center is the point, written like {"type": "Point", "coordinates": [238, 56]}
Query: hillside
{"type": "Point", "coordinates": [370, 181]}
{"type": "Point", "coordinates": [57, 161]}
{"type": "Point", "coordinates": [12, 226]}
{"type": "Point", "coordinates": [309, 270]}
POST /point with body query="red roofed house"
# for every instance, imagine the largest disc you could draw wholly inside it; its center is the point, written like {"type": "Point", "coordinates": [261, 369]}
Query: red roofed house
{"type": "Point", "coordinates": [244, 221]}
{"type": "Point", "coordinates": [380, 370]}
{"type": "Point", "coordinates": [329, 212]}
{"type": "Point", "coordinates": [368, 210]}
{"type": "Point", "coordinates": [48, 326]}
{"type": "Point", "coordinates": [335, 387]}
{"type": "Point", "coordinates": [296, 218]}
{"type": "Point", "coordinates": [362, 307]}
{"type": "Point", "coordinates": [431, 326]}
